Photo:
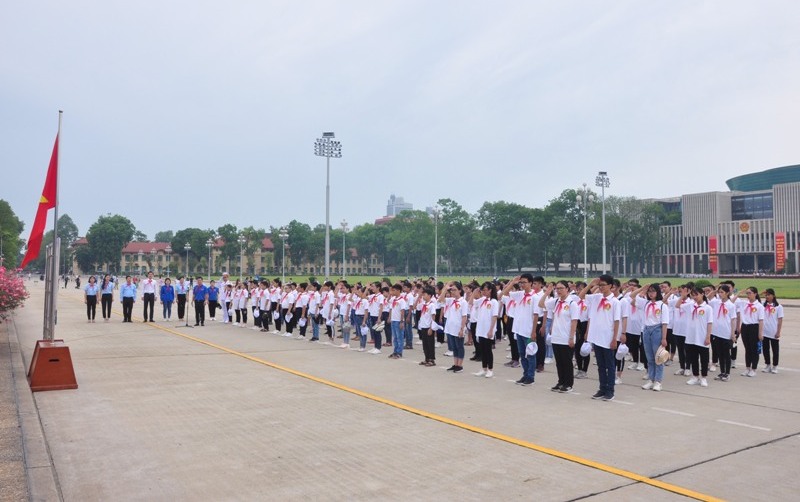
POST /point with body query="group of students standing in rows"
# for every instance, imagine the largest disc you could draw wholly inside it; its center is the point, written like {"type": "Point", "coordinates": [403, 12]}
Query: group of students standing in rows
{"type": "Point", "coordinates": [650, 324]}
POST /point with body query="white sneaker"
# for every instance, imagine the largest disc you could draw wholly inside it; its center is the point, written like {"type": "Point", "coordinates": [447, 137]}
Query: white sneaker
{"type": "Point", "coordinates": [255, 327]}
{"type": "Point", "coordinates": [648, 385]}
{"type": "Point", "coordinates": [657, 386]}
{"type": "Point", "coordinates": [632, 366]}
{"type": "Point", "coordinates": [645, 377]}
{"type": "Point", "coordinates": [360, 349]}
{"type": "Point", "coordinates": [437, 345]}
{"type": "Point", "coordinates": [766, 369]}
{"type": "Point", "coordinates": [712, 367]}
{"type": "Point", "coordinates": [640, 367]}
{"type": "Point", "coordinates": [703, 382]}
{"type": "Point", "coordinates": [213, 319]}
{"type": "Point", "coordinates": [693, 381]}
{"type": "Point", "coordinates": [489, 374]}
{"type": "Point", "coordinates": [678, 372]}
{"type": "Point", "coordinates": [287, 335]}
{"type": "Point", "coordinates": [733, 364]}
{"type": "Point", "coordinates": [751, 373]}
{"type": "Point", "coordinates": [480, 373]}
{"type": "Point", "coordinates": [746, 372]}
{"type": "Point", "coordinates": [774, 370]}
{"type": "Point", "coordinates": [275, 331]}
{"type": "Point", "coordinates": [418, 342]}
{"type": "Point", "coordinates": [508, 356]}
{"type": "Point", "coordinates": [617, 381]}
{"type": "Point", "coordinates": [548, 360]}
{"type": "Point", "coordinates": [299, 337]}
{"type": "Point", "coordinates": [236, 324]}
{"type": "Point", "coordinates": [344, 346]}
{"type": "Point", "coordinates": [687, 372]}
{"type": "Point", "coordinates": [449, 353]}
{"type": "Point", "coordinates": [373, 351]}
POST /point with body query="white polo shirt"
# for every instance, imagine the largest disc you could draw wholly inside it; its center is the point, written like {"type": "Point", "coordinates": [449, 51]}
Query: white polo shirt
{"type": "Point", "coordinates": [603, 313]}
{"type": "Point", "coordinates": [486, 310]}
{"type": "Point", "coordinates": [563, 313]}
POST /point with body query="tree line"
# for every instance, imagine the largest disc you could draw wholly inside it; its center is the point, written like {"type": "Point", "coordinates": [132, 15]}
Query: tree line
{"type": "Point", "coordinates": [500, 236]}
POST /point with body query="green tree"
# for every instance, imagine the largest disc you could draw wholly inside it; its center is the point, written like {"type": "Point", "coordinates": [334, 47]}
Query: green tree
{"type": "Point", "coordinates": [10, 229]}
{"type": "Point", "coordinates": [196, 238]}
{"type": "Point", "coordinates": [299, 242]}
{"type": "Point", "coordinates": [506, 234]}
{"type": "Point", "coordinates": [229, 252]}
{"type": "Point", "coordinates": [563, 222]}
{"type": "Point", "coordinates": [409, 242]}
{"type": "Point", "coordinates": [254, 238]}
{"type": "Point", "coordinates": [164, 236]}
{"type": "Point", "coordinates": [456, 235]}
{"type": "Point", "coordinates": [107, 236]}
{"type": "Point", "coordinates": [369, 239]}
{"type": "Point", "coordinates": [85, 258]}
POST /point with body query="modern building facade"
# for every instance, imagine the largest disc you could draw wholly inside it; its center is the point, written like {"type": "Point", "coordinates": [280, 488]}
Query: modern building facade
{"type": "Point", "coordinates": [753, 229]}
{"type": "Point", "coordinates": [396, 205]}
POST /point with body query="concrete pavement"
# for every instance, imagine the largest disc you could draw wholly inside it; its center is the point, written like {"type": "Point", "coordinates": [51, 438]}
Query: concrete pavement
{"type": "Point", "coordinates": [223, 413]}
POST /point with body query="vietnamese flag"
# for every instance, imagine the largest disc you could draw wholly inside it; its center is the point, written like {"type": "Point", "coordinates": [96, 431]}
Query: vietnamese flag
{"type": "Point", "coordinates": [48, 201]}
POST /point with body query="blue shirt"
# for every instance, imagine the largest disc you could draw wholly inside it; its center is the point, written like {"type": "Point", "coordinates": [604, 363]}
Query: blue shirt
{"type": "Point", "coordinates": [213, 293]}
{"type": "Point", "coordinates": [109, 289]}
{"type": "Point", "coordinates": [127, 291]}
{"type": "Point", "coordinates": [199, 293]}
{"type": "Point", "coordinates": [91, 289]}
{"type": "Point", "coordinates": [167, 293]}
{"type": "Point", "coordinates": [181, 289]}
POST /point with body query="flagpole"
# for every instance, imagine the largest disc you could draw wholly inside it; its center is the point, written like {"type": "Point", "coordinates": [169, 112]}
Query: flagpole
{"type": "Point", "coordinates": [56, 243]}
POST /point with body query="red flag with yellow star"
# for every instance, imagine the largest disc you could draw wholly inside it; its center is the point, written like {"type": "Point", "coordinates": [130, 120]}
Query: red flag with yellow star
{"type": "Point", "coordinates": [46, 202]}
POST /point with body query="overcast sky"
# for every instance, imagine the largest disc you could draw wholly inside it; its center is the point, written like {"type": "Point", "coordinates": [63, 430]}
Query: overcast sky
{"type": "Point", "coordinates": [199, 113]}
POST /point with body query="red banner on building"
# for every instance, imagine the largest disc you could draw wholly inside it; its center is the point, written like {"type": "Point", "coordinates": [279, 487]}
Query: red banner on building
{"type": "Point", "coordinates": [713, 262]}
{"type": "Point", "coordinates": [780, 251]}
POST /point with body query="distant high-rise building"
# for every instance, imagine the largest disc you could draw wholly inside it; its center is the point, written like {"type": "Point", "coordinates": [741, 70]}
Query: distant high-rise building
{"type": "Point", "coordinates": [396, 205]}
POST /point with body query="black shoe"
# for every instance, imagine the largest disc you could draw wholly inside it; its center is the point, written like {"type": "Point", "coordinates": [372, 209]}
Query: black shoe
{"type": "Point", "coordinates": [197, 324]}
{"type": "Point", "coordinates": [202, 324]}
{"type": "Point", "coordinates": [152, 320]}
{"type": "Point", "coordinates": [452, 368]}
{"type": "Point", "coordinates": [528, 381]}
{"type": "Point", "coordinates": [565, 389]}
{"type": "Point", "coordinates": [520, 381]}
{"type": "Point", "coordinates": [475, 358]}
{"type": "Point", "coordinates": [458, 369]}
{"type": "Point", "coordinates": [608, 397]}
{"type": "Point", "coordinates": [144, 320]}
{"type": "Point", "coordinates": [556, 388]}
{"type": "Point", "coordinates": [599, 395]}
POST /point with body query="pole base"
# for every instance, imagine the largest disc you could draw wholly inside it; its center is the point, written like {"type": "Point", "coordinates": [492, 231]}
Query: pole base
{"type": "Point", "coordinates": [51, 367]}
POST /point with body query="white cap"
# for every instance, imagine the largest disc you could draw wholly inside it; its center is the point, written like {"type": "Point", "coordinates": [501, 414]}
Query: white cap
{"type": "Point", "coordinates": [364, 331]}
{"type": "Point", "coordinates": [531, 349]}
{"type": "Point", "coordinates": [586, 349]}
{"type": "Point", "coordinates": [622, 351]}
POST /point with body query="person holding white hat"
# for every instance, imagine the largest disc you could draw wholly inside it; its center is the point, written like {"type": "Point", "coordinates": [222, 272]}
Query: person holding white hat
{"type": "Point", "coordinates": [698, 333]}
{"type": "Point", "coordinates": [425, 329]}
{"type": "Point", "coordinates": [655, 318]}
{"type": "Point", "coordinates": [486, 309]}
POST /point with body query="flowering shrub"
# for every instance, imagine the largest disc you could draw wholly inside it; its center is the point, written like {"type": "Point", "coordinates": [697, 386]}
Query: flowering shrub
{"type": "Point", "coordinates": [12, 292]}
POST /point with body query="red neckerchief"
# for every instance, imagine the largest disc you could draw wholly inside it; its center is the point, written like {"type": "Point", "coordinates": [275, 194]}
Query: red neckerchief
{"type": "Point", "coordinates": [694, 311]}
{"type": "Point", "coordinates": [651, 306]}
{"type": "Point", "coordinates": [559, 306]}
{"type": "Point", "coordinates": [603, 303]}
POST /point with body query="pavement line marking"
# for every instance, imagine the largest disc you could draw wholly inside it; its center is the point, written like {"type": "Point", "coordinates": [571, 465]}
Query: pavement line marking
{"type": "Point", "coordinates": [744, 425]}
{"type": "Point", "coordinates": [674, 412]}
{"type": "Point", "coordinates": [461, 425]}
{"type": "Point", "coordinates": [622, 402]}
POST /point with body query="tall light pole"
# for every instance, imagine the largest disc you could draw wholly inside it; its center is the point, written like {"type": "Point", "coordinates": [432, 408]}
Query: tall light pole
{"type": "Point", "coordinates": [581, 201]}
{"type": "Point", "coordinates": [283, 234]}
{"type": "Point", "coordinates": [344, 249]}
{"type": "Point", "coordinates": [169, 256]}
{"type": "Point", "coordinates": [187, 247]}
{"type": "Point", "coordinates": [152, 259]}
{"type": "Point", "coordinates": [328, 147]}
{"type": "Point", "coordinates": [437, 211]}
{"type": "Point", "coordinates": [603, 182]}
{"type": "Point", "coordinates": [209, 243]}
{"type": "Point", "coordinates": [242, 240]}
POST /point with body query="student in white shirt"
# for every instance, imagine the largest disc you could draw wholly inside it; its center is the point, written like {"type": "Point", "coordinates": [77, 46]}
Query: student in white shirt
{"type": "Point", "coordinates": [425, 326]}
{"type": "Point", "coordinates": [565, 316]}
{"type": "Point", "coordinates": [455, 312]}
{"type": "Point", "coordinates": [604, 319]}
{"type": "Point", "coordinates": [751, 328]}
{"type": "Point", "coordinates": [773, 322]}
{"type": "Point", "coordinates": [524, 309]}
{"type": "Point", "coordinates": [486, 309]}
{"type": "Point", "coordinates": [723, 329]}
{"type": "Point", "coordinates": [698, 334]}
{"type": "Point", "coordinates": [655, 319]}
{"type": "Point", "coordinates": [397, 315]}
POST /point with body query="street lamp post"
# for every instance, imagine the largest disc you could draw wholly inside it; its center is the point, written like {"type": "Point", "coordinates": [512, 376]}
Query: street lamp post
{"type": "Point", "coordinates": [283, 234]}
{"type": "Point", "coordinates": [436, 213]}
{"type": "Point", "coordinates": [603, 182]}
{"type": "Point", "coordinates": [209, 243]}
{"type": "Point", "coordinates": [187, 247]}
{"type": "Point", "coordinates": [328, 147]}
{"type": "Point", "coordinates": [242, 240]}
{"type": "Point", "coordinates": [344, 249]}
{"type": "Point", "coordinates": [581, 201]}
{"type": "Point", "coordinates": [152, 259]}
{"type": "Point", "coordinates": [168, 250]}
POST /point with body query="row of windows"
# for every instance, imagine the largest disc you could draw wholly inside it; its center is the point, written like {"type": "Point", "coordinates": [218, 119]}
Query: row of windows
{"type": "Point", "coordinates": [751, 207]}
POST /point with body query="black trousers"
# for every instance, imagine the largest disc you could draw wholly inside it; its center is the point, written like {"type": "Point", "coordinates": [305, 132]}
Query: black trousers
{"type": "Point", "coordinates": [540, 342]}
{"type": "Point", "coordinates": [580, 337]}
{"type": "Point", "coordinates": [181, 306]}
{"type": "Point", "coordinates": [722, 347]}
{"type": "Point", "coordinates": [105, 301]}
{"type": "Point", "coordinates": [774, 344]}
{"type": "Point", "coordinates": [256, 318]}
{"type": "Point", "coordinates": [91, 307]}
{"type": "Point", "coordinates": [199, 312]}
{"type": "Point", "coordinates": [680, 344]}
{"type": "Point", "coordinates": [697, 358]}
{"type": "Point", "coordinates": [149, 301]}
{"type": "Point", "coordinates": [633, 342]}
{"type": "Point", "coordinates": [750, 340]}
{"type": "Point", "coordinates": [212, 308]}
{"type": "Point", "coordinates": [428, 343]}
{"type": "Point", "coordinates": [509, 325]}
{"type": "Point", "coordinates": [127, 309]}
{"type": "Point", "coordinates": [563, 357]}
{"type": "Point", "coordinates": [487, 355]}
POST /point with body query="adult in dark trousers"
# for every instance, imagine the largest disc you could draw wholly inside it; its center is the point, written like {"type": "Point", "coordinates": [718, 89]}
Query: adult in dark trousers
{"type": "Point", "coordinates": [200, 301]}
{"type": "Point", "coordinates": [127, 293]}
{"type": "Point", "coordinates": [181, 290]}
{"type": "Point", "coordinates": [149, 287]}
